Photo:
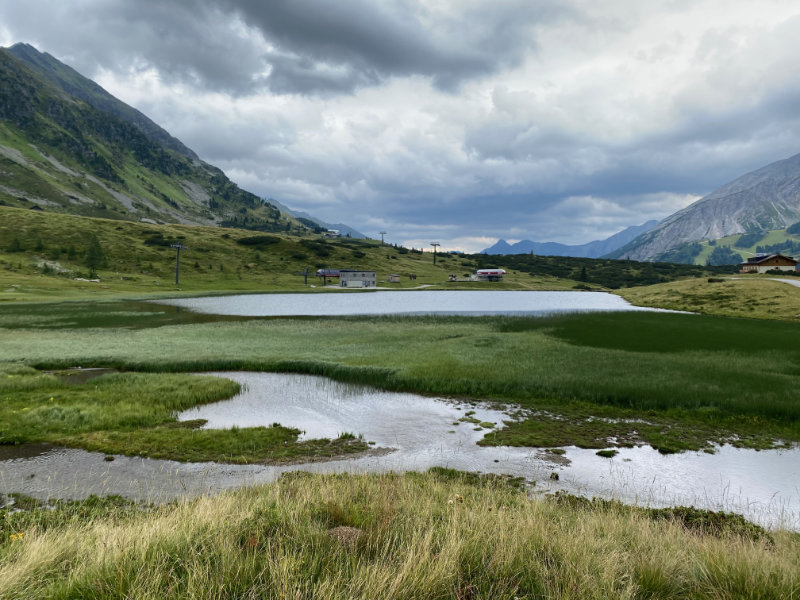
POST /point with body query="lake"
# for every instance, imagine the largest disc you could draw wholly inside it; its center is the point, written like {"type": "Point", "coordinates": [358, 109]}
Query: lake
{"type": "Point", "coordinates": [416, 433]}
{"type": "Point", "coordinates": [412, 302]}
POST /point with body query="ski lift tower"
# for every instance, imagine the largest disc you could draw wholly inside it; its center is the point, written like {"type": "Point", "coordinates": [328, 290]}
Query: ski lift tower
{"type": "Point", "coordinates": [178, 247]}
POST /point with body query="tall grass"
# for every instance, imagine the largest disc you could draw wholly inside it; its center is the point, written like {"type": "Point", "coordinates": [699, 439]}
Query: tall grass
{"type": "Point", "coordinates": [127, 401]}
{"type": "Point", "coordinates": [389, 536]}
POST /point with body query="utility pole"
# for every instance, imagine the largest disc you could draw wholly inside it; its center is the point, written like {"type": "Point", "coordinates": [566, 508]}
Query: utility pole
{"type": "Point", "coordinates": [383, 233]}
{"type": "Point", "coordinates": [435, 245]}
{"type": "Point", "coordinates": [178, 247]}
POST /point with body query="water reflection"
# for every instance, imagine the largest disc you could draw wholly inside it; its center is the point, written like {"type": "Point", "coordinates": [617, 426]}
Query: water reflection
{"type": "Point", "coordinates": [462, 302]}
{"type": "Point", "coordinates": [422, 432]}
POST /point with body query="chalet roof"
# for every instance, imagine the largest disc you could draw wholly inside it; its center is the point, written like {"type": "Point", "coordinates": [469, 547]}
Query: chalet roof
{"type": "Point", "coordinates": [759, 258]}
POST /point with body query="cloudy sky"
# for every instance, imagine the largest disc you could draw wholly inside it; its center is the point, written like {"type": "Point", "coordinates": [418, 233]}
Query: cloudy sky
{"type": "Point", "coordinates": [457, 121]}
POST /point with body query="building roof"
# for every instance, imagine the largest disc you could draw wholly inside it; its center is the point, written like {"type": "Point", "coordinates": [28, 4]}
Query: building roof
{"type": "Point", "coordinates": [759, 258]}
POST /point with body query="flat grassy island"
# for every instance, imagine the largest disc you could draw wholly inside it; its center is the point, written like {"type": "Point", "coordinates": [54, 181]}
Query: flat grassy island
{"type": "Point", "coordinates": [134, 414]}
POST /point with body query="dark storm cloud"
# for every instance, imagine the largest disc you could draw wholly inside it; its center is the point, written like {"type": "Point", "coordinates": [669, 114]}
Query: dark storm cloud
{"type": "Point", "coordinates": [289, 46]}
{"type": "Point", "coordinates": [335, 46]}
{"type": "Point", "coordinates": [183, 41]}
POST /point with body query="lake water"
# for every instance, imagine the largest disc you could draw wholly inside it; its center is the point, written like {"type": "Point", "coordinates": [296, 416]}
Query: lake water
{"type": "Point", "coordinates": [419, 302]}
{"type": "Point", "coordinates": [764, 486]}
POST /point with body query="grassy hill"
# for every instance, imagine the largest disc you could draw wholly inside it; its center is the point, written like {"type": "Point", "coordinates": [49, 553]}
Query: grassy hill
{"type": "Point", "coordinates": [42, 254]}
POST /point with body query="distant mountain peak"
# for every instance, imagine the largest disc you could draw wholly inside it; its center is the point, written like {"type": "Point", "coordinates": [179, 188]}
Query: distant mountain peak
{"type": "Point", "coordinates": [594, 249]}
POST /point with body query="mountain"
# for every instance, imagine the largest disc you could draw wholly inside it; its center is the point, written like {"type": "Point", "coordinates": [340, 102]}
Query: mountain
{"type": "Point", "coordinates": [594, 249]}
{"type": "Point", "coordinates": [67, 145]}
{"type": "Point", "coordinates": [73, 83]}
{"type": "Point", "coordinates": [765, 199]}
{"type": "Point", "coordinates": [303, 217]}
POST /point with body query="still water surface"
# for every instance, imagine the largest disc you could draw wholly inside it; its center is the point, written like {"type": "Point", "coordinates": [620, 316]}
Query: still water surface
{"type": "Point", "coordinates": [420, 431]}
{"type": "Point", "coordinates": [421, 302]}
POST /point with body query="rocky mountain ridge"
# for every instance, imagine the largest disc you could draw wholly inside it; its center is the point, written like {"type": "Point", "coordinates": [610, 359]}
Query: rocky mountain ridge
{"type": "Point", "coordinates": [765, 199]}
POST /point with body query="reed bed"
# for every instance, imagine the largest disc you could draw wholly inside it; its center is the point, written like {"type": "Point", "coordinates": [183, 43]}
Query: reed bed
{"type": "Point", "coordinates": [387, 536]}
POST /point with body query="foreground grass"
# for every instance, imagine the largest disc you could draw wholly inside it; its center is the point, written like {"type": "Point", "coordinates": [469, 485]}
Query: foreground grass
{"type": "Point", "coordinates": [435, 535]}
{"type": "Point", "coordinates": [693, 379]}
{"type": "Point", "coordinates": [134, 414]}
{"type": "Point", "coordinates": [751, 296]}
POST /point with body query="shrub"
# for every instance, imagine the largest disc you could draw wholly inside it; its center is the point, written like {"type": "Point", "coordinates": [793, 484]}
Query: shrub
{"type": "Point", "coordinates": [258, 240]}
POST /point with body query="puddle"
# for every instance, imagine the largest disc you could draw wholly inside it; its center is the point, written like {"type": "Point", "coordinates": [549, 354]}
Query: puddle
{"type": "Point", "coordinates": [764, 486]}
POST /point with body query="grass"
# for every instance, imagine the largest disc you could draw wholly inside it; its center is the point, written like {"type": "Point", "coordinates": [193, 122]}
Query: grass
{"type": "Point", "coordinates": [751, 296]}
{"type": "Point", "coordinates": [692, 379]}
{"type": "Point", "coordinates": [247, 445]}
{"type": "Point", "coordinates": [134, 414]}
{"type": "Point", "coordinates": [770, 238]}
{"type": "Point", "coordinates": [415, 536]}
{"type": "Point", "coordinates": [139, 262]}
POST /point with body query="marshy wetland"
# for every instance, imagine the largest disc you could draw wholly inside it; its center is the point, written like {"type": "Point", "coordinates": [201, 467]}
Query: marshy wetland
{"type": "Point", "coordinates": [691, 409]}
{"type": "Point", "coordinates": [402, 432]}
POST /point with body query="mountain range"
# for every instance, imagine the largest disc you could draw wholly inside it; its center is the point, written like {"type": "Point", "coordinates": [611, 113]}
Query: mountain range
{"type": "Point", "coordinates": [762, 200]}
{"type": "Point", "coordinates": [307, 219]}
{"type": "Point", "coordinates": [595, 249]}
{"type": "Point", "coordinates": [765, 199]}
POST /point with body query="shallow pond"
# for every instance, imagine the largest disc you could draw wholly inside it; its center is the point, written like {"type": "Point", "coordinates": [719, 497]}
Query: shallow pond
{"type": "Point", "coordinates": [764, 486]}
{"type": "Point", "coordinates": [420, 302]}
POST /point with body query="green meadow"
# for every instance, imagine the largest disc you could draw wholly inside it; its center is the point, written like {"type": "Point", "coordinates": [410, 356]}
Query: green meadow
{"type": "Point", "coordinates": [580, 379]}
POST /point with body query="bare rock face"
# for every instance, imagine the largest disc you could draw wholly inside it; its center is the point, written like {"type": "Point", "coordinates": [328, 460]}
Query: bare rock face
{"type": "Point", "coordinates": [768, 198]}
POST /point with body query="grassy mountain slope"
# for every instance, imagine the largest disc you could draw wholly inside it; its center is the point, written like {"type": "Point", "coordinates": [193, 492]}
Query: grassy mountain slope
{"type": "Point", "coordinates": [69, 80]}
{"type": "Point", "coordinates": [736, 248]}
{"type": "Point", "coordinates": [59, 153]}
{"type": "Point", "coordinates": [42, 253]}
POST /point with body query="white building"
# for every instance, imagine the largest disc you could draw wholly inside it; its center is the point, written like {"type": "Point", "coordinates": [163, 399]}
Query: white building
{"type": "Point", "coordinates": [350, 278]}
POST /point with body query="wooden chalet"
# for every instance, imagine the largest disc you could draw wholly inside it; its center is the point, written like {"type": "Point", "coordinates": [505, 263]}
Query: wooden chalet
{"type": "Point", "coordinates": [761, 263]}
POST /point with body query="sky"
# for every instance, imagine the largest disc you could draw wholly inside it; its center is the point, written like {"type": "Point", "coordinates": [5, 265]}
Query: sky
{"type": "Point", "coordinates": [451, 121]}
